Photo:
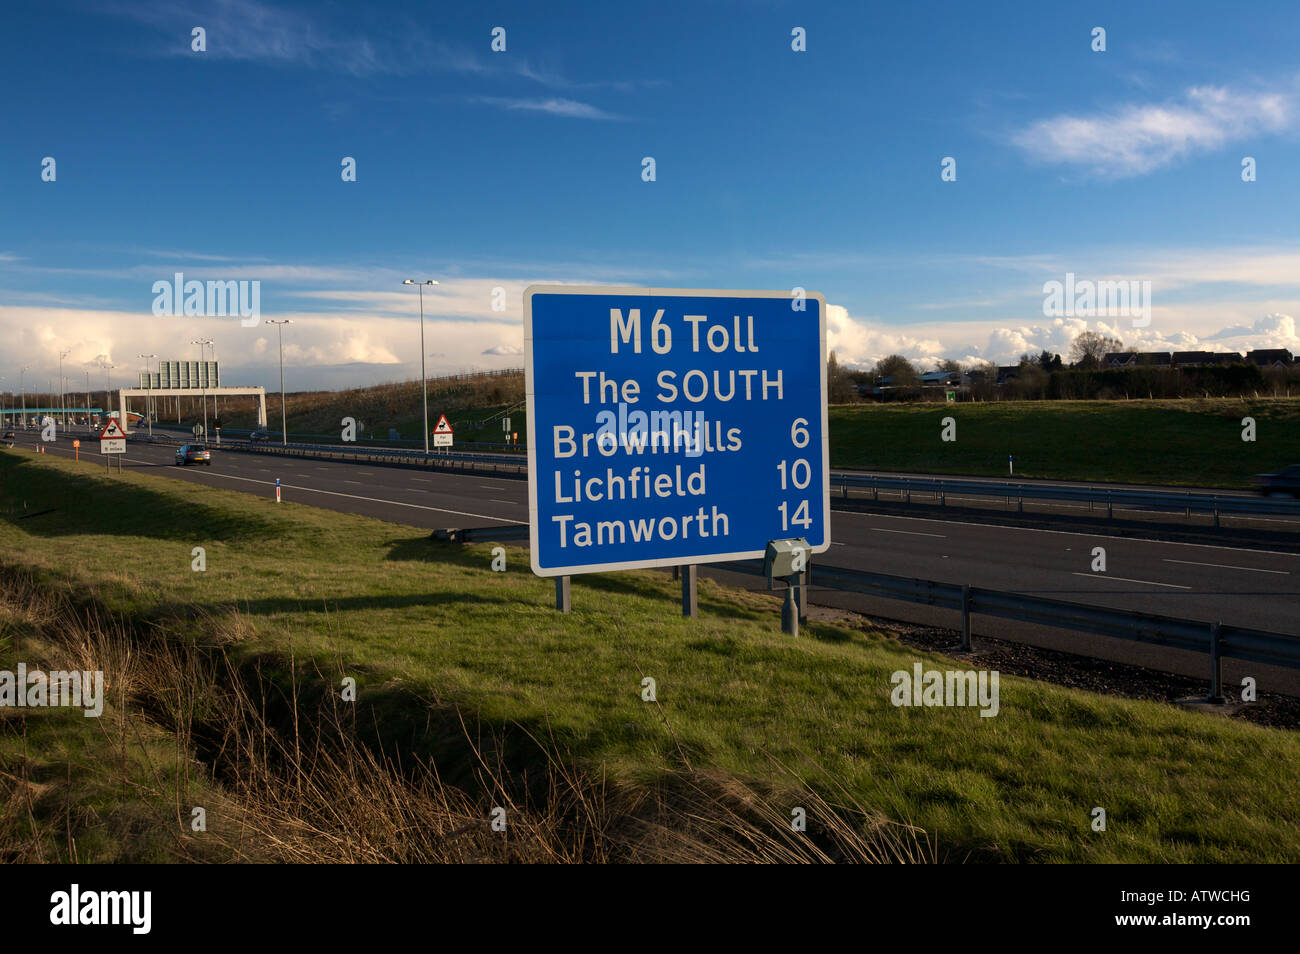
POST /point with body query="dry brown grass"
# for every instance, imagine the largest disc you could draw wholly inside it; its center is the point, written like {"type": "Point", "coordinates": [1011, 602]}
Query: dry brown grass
{"type": "Point", "coordinates": [184, 727]}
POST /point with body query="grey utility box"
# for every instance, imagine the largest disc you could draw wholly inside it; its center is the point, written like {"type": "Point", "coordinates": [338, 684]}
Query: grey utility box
{"type": "Point", "coordinates": [778, 562]}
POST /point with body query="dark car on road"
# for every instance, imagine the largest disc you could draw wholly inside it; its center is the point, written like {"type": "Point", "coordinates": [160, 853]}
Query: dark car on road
{"type": "Point", "coordinates": [9, 438]}
{"type": "Point", "coordinates": [193, 454]}
{"type": "Point", "coordinates": [1282, 483]}
{"type": "Point", "coordinates": [259, 435]}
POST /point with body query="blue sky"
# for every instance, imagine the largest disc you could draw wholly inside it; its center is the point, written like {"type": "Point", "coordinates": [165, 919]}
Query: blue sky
{"type": "Point", "coordinates": [774, 168]}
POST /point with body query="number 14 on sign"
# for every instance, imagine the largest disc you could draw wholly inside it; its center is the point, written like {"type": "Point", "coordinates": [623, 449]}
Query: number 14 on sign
{"type": "Point", "coordinates": [799, 473]}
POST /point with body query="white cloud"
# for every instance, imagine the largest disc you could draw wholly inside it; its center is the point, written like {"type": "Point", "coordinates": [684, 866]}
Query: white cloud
{"type": "Point", "coordinates": [556, 106]}
{"type": "Point", "coordinates": [1138, 138]}
{"type": "Point", "coordinates": [863, 342]}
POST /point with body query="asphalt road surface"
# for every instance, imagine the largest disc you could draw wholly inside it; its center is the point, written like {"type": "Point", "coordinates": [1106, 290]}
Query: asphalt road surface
{"type": "Point", "coordinates": [1246, 587]}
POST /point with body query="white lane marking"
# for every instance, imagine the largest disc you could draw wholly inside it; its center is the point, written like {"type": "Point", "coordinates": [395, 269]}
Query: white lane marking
{"type": "Point", "coordinates": [394, 503]}
{"type": "Point", "coordinates": [351, 481]}
{"type": "Point", "coordinates": [910, 533]}
{"type": "Point", "coordinates": [1076, 533]}
{"type": "Point", "coordinates": [1224, 566]}
{"type": "Point", "coordinates": [1125, 579]}
{"type": "Point", "coordinates": [513, 503]}
{"type": "Point", "coordinates": [425, 479]}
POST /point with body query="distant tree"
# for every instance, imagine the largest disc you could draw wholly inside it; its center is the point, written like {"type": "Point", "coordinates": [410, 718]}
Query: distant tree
{"type": "Point", "coordinates": [895, 366]}
{"type": "Point", "coordinates": [947, 364]}
{"type": "Point", "coordinates": [839, 386]}
{"type": "Point", "coordinates": [1049, 362]}
{"type": "Point", "coordinates": [1090, 347]}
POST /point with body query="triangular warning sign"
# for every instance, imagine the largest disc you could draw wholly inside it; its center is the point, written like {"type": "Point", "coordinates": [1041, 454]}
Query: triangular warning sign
{"type": "Point", "coordinates": [112, 430]}
{"type": "Point", "coordinates": [442, 427]}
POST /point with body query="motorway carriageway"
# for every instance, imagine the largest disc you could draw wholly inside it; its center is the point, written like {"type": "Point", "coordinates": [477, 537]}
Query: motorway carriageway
{"type": "Point", "coordinates": [1246, 587]}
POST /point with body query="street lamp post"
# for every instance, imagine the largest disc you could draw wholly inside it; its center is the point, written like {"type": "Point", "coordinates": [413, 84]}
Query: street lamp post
{"type": "Point", "coordinates": [148, 403]}
{"type": "Point", "coordinates": [424, 382]}
{"type": "Point", "coordinates": [21, 388]}
{"type": "Point", "coordinates": [279, 331]}
{"type": "Point", "coordinates": [63, 403]}
{"type": "Point", "coordinates": [108, 387]}
{"type": "Point", "coordinates": [203, 343]}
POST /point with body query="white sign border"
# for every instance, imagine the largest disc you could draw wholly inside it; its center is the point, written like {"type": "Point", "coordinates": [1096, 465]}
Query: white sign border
{"type": "Point", "coordinates": [558, 288]}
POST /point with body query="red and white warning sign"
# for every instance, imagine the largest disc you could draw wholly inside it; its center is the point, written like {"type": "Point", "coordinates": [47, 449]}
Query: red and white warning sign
{"type": "Point", "coordinates": [442, 433]}
{"type": "Point", "coordinates": [112, 439]}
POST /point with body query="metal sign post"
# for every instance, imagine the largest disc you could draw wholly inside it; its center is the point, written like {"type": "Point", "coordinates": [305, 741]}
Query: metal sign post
{"type": "Point", "coordinates": [112, 443]}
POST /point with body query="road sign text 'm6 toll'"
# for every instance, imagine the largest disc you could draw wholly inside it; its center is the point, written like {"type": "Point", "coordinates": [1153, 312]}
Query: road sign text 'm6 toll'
{"type": "Point", "coordinates": [673, 426]}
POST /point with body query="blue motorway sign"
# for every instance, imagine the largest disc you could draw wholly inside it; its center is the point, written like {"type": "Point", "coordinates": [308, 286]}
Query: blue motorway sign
{"type": "Point", "coordinates": [673, 426]}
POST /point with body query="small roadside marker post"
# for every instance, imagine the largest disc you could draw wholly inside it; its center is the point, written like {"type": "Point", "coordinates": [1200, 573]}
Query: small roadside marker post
{"type": "Point", "coordinates": [1011, 465]}
{"type": "Point", "coordinates": [76, 450]}
{"type": "Point", "coordinates": [277, 490]}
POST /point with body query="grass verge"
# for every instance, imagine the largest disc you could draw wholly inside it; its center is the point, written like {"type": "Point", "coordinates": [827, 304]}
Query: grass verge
{"type": "Point", "coordinates": [1195, 443]}
{"type": "Point", "coordinates": [459, 669]}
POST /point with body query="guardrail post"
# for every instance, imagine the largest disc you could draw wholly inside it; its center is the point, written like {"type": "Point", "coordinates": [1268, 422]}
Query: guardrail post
{"type": "Point", "coordinates": [1216, 516]}
{"type": "Point", "coordinates": [943, 497]}
{"type": "Point", "coordinates": [1110, 506]}
{"type": "Point", "coordinates": [875, 488]}
{"type": "Point", "coordinates": [1216, 687]}
{"type": "Point", "coordinates": [690, 601]}
{"type": "Point", "coordinates": [965, 616]}
{"type": "Point", "coordinates": [1188, 514]}
{"type": "Point", "coordinates": [563, 601]}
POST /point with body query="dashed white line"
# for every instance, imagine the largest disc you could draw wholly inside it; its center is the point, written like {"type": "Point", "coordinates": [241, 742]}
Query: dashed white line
{"type": "Point", "coordinates": [910, 533]}
{"type": "Point", "coordinates": [1125, 579]}
{"type": "Point", "coordinates": [1224, 566]}
{"type": "Point", "coordinates": [393, 503]}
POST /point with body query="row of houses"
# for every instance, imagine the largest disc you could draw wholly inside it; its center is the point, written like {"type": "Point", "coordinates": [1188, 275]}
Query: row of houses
{"type": "Point", "coordinates": [1264, 358]}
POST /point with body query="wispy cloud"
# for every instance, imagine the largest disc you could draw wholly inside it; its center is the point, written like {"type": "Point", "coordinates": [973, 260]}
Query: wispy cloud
{"type": "Point", "coordinates": [1135, 139]}
{"type": "Point", "coordinates": [252, 31]}
{"type": "Point", "coordinates": [554, 105]}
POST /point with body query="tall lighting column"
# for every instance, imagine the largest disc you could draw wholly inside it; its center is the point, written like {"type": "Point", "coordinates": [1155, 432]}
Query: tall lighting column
{"type": "Point", "coordinates": [203, 343]}
{"type": "Point", "coordinates": [148, 405]}
{"type": "Point", "coordinates": [63, 402]}
{"type": "Point", "coordinates": [22, 371]}
{"type": "Point", "coordinates": [279, 330]}
{"type": "Point", "coordinates": [424, 381]}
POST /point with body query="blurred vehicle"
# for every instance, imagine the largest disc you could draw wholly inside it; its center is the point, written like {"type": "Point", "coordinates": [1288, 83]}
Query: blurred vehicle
{"type": "Point", "coordinates": [193, 454]}
{"type": "Point", "coordinates": [9, 438]}
{"type": "Point", "coordinates": [1282, 483]}
{"type": "Point", "coordinates": [259, 435]}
